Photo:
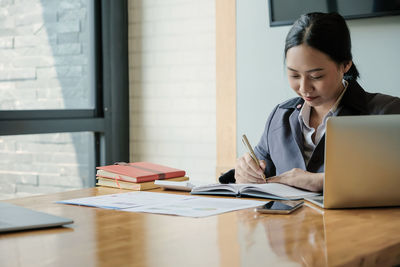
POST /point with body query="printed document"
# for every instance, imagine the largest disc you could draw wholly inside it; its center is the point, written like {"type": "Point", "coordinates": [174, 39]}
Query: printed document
{"type": "Point", "coordinates": [150, 202]}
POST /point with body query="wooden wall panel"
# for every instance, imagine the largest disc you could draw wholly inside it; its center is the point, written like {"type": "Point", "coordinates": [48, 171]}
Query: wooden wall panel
{"type": "Point", "coordinates": [226, 84]}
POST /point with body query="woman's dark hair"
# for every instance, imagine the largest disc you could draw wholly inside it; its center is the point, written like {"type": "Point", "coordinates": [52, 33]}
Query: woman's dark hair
{"type": "Point", "coordinates": [326, 32]}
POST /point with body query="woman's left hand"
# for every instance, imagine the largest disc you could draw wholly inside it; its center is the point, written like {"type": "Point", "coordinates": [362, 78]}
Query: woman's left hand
{"type": "Point", "coordinates": [301, 179]}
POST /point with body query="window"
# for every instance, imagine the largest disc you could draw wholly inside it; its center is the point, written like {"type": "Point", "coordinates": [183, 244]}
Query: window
{"type": "Point", "coordinates": [64, 93]}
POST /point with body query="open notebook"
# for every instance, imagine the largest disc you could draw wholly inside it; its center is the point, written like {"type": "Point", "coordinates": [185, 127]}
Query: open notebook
{"type": "Point", "coordinates": [271, 191]}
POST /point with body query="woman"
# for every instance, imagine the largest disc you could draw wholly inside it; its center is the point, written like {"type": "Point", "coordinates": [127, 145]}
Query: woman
{"type": "Point", "coordinates": [320, 70]}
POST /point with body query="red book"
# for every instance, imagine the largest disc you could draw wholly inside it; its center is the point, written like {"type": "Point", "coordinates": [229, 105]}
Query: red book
{"type": "Point", "coordinates": [139, 172]}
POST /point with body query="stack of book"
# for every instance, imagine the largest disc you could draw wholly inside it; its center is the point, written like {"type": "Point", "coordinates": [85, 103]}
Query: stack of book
{"type": "Point", "coordinates": [137, 175]}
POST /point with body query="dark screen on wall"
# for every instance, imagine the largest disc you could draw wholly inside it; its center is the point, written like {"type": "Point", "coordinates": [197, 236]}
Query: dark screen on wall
{"type": "Point", "coordinates": [285, 12]}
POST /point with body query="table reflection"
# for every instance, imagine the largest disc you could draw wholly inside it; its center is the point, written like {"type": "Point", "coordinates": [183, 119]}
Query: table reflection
{"type": "Point", "coordinates": [291, 240]}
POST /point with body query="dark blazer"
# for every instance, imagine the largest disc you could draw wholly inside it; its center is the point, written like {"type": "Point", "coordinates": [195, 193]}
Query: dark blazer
{"type": "Point", "coordinates": [281, 144]}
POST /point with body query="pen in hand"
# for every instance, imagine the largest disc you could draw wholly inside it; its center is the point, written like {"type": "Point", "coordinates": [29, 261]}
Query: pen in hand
{"type": "Point", "coordinates": [252, 154]}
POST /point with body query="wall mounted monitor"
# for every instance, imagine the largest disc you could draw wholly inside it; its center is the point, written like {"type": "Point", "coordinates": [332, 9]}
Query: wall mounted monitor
{"type": "Point", "coordinates": [285, 12]}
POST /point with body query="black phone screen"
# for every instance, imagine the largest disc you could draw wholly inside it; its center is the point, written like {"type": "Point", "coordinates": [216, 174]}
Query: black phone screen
{"type": "Point", "coordinates": [280, 207]}
{"type": "Point", "coordinates": [276, 205]}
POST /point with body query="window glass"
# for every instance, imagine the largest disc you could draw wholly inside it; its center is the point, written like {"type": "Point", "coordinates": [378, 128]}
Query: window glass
{"type": "Point", "coordinates": [45, 163]}
{"type": "Point", "coordinates": [46, 54]}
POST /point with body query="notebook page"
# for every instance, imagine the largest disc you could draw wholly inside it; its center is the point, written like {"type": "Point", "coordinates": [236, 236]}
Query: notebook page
{"type": "Point", "coordinates": [278, 190]}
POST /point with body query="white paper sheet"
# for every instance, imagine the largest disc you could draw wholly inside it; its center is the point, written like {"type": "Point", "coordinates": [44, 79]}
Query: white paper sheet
{"type": "Point", "coordinates": [124, 200]}
{"type": "Point", "coordinates": [182, 205]}
{"type": "Point", "coordinates": [198, 206]}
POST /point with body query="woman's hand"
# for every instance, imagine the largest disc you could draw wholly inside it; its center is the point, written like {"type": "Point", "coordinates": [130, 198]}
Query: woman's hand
{"type": "Point", "coordinates": [301, 179]}
{"type": "Point", "coordinates": [247, 171]}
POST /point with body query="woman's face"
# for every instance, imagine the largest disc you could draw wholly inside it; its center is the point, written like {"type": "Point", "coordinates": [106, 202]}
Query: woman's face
{"type": "Point", "coordinates": [314, 76]}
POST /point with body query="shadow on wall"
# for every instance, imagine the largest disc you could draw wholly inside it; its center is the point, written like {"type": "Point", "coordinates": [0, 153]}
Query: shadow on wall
{"type": "Point", "coordinates": [71, 77]}
{"type": "Point", "coordinates": [136, 91]}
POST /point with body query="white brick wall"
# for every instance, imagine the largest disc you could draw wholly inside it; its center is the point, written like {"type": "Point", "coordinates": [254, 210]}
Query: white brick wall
{"type": "Point", "coordinates": [44, 64]}
{"type": "Point", "coordinates": [42, 41]}
{"type": "Point", "coordinates": [33, 164]}
{"type": "Point", "coordinates": [172, 84]}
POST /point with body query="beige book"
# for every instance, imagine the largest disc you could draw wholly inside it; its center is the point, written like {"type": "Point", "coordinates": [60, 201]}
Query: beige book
{"type": "Point", "coordinates": [117, 183]}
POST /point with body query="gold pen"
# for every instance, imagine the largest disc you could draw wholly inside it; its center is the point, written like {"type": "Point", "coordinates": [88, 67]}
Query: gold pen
{"type": "Point", "coordinates": [252, 154]}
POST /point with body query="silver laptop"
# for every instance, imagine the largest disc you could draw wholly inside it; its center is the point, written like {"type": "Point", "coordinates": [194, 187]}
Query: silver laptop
{"type": "Point", "coordinates": [362, 162]}
{"type": "Point", "coordinates": [16, 218]}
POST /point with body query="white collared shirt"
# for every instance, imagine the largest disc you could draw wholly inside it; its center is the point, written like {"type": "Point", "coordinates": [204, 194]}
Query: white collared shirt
{"type": "Point", "coordinates": [308, 131]}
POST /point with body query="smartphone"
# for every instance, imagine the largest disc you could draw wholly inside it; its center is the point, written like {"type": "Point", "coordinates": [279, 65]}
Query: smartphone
{"type": "Point", "coordinates": [280, 207]}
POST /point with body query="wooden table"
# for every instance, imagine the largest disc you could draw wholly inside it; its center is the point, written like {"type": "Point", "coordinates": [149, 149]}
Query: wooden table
{"type": "Point", "coordinates": [308, 237]}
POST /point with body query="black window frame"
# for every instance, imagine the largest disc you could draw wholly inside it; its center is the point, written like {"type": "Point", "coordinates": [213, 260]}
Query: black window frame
{"type": "Point", "coordinates": [109, 120]}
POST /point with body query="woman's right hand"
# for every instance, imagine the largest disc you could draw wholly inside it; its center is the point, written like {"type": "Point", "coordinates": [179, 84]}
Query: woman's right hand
{"type": "Point", "coordinates": [247, 171]}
